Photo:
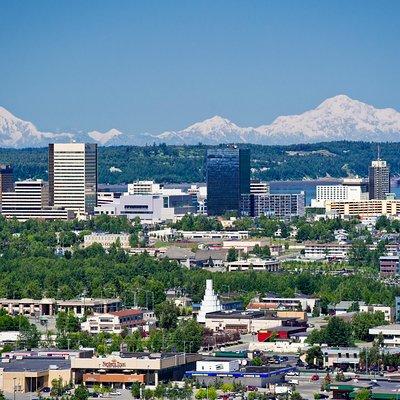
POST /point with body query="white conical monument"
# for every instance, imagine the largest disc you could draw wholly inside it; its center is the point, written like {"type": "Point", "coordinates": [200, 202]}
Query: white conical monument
{"type": "Point", "coordinates": [210, 302]}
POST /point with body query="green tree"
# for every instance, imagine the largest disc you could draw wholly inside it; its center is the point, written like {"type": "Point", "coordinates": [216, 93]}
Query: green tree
{"type": "Point", "coordinates": [167, 314]}
{"type": "Point", "coordinates": [314, 356]}
{"type": "Point", "coordinates": [232, 255]}
{"type": "Point", "coordinates": [135, 389]}
{"type": "Point", "coordinates": [363, 394]}
{"type": "Point", "coordinates": [257, 361]}
{"type": "Point", "coordinates": [363, 322]}
{"type": "Point", "coordinates": [81, 393]}
{"type": "Point", "coordinates": [296, 396]}
{"type": "Point", "coordinates": [338, 333]}
{"type": "Point", "coordinates": [29, 337]}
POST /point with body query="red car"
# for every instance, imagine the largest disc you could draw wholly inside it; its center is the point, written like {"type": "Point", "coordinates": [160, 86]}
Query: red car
{"type": "Point", "coordinates": [315, 377]}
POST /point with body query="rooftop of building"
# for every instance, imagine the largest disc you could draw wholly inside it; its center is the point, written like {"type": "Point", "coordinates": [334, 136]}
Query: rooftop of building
{"type": "Point", "coordinates": [390, 327]}
{"type": "Point", "coordinates": [35, 364]}
{"type": "Point", "coordinates": [238, 314]}
{"type": "Point", "coordinates": [127, 313]}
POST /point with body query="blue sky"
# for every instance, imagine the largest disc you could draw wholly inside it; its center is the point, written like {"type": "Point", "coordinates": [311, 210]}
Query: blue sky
{"type": "Point", "coordinates": [161, 65]}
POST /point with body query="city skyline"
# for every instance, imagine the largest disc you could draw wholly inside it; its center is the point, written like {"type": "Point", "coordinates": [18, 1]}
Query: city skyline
{"type": "Point", "coordinates": [150, 67]}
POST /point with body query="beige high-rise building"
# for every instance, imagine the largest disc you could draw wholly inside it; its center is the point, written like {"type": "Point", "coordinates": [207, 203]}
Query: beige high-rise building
{"type": "Point", "coordinates": [73, 176]}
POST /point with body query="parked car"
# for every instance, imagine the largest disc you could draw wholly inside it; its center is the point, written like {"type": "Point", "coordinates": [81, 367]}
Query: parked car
{"type": "Point", "coordinates": [251, 388]}
{"type": "Point", "coordinates": [314, 377]}
{"type": "Point", "coordinates": [293, 373]}
{"type": "Point", "coordinates": [116, 393]}
{"type": "Point", "coordinates": [46, 389]}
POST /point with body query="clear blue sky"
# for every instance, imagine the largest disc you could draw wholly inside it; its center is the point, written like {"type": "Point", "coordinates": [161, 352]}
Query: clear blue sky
{"type": "Point", "coordinates": [161, 65]}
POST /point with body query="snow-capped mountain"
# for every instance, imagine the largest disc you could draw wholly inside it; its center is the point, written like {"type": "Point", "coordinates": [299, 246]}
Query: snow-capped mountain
{"type": "Point", "coordinates": [337, 118]}
{"type": "Point", "coordinates": [104, 137]}
{"type": "Point", "coordinates": [214, 130]}
{"type": "Point", "coordinates": [15, 132]}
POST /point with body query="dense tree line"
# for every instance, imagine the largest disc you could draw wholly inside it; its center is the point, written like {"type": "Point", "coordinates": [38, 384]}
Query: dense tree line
{"type": "Point", "coordinates": [30, 267]}
{"type": "Point", "coordinates": [186, 163]}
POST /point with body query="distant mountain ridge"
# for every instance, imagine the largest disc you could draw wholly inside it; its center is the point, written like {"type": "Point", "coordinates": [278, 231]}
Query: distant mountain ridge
{"type": "Point", "coordinates": [336, 118]}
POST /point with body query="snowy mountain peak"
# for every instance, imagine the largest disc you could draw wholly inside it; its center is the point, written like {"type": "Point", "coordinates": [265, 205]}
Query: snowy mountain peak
{"type": "Point", "coordinates": [339, 100]}
{"type": "Point", "coordinates": [215, 122]}
{"type": "Point", "coordinates": [337, 118]}
{"type": "Point", "coordinates": [6, 114]}
{"type": "Point", "coordinates": [104, 137]}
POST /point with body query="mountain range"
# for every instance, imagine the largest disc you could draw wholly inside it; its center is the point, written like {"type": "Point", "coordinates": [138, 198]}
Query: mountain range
{"type": "Point", "coordinates": [336, 118]}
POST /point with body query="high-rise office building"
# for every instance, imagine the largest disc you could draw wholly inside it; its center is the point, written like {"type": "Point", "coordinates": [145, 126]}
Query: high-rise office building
{"type": "Point", "coordinates": [73, 176]}
{"type": "Point", "coordinates": [259, 187]}
{"type": "Point", "coordinates": [228, 178]}
{"type": "Point", "coordinates": [6, 179]}
{"type": "Point", "coordinates": [277, 205]}
{"type": "Point", "coordinates": [379, 180]}
{"type": "Point", "coordinates": [30, 199]}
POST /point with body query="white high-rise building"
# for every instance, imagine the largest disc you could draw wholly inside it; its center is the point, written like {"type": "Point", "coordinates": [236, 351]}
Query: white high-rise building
{"type": "Point", "coordinates": [210, 302]}
{"type": "Point", "coordinates": [259, 187]}
{"type": "Point", "coordinates": [352, 189]}
{"type": "Point", "coordinates": [30, 199]}
{"type": "Point", "coordinates": [144, 187]}
{"type": "Point", "coordinates": [73, 176]}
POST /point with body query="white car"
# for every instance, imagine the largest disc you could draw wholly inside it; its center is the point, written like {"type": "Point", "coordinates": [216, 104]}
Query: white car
{"type": "Point", "coordinates": [116, 393]}
{"type": "Point", "coordinates": [293, 373]}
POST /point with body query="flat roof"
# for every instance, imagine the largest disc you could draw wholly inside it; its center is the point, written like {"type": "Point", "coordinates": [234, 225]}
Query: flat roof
{"type": "Point", "coordinates": [284, 329]}
{"type": "Point", "coordinates": [35, 364]}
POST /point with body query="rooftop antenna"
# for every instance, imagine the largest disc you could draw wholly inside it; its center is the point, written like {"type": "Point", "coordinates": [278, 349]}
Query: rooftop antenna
{"type": "Point", "coordinates": [379, 152]}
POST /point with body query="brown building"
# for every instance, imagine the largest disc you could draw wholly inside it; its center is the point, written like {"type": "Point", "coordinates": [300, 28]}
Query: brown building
{"type": "Point", "coordinates": [389, 265]}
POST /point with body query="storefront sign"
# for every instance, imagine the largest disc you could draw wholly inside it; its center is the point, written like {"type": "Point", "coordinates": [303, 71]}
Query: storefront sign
{"type": "Point", "coordinates": [113, 364]}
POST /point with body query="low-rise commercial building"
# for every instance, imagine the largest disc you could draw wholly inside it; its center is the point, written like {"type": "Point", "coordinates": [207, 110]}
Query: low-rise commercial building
{"type": "Point", "coordinates": [254, 264]}
{"type": "Point", "coordinates": [390, 333]}
{"type": "Point", "coordinates": [24, 375]}
{"type": "Point", "coordinates": [107, 239]}
{"type": "Point", "coordinates": [150, 208]}
{"type": "Point", "coordinates": [113, 322]}
{"type": "Point", "coordinates": [216, 235]}
{"type": "Point", "coordinates": [299, 302]}
{"type": "Point", "coordinates": [341, 356]}
{"type": "Point", "coordinates": [386, 310]}
{"type": "Point", "coordinates": [229, 371]}
{"type": "Point", "coordinates": [121, 370]}
{"type": "Point", "coordinates": [364, 208]}
{"type": "Point", "coordinates": [279, 332]}
{"type": "Point", "coordinates": [23, 372]}
{"type": "Point", "coordinates": [244, 321]}
{"type": "Point", "coordinates": [48, 306]}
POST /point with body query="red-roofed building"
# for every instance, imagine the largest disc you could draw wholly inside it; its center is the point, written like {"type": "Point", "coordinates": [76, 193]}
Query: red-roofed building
{"type": "Point", "coordinates": [113, 322]}
{"type": "Point", "coordinates": [279, 332]}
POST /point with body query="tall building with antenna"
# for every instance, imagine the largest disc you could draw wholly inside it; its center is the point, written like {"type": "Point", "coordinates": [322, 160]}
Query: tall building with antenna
{"type": "Point", "coordinates": [379, 178]}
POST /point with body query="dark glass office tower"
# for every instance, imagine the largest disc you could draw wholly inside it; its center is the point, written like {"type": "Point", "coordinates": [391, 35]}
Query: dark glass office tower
{"type": "Point", "coordinates": [228, 177]}
{"type": "Point", "coordinates": [379, 180]}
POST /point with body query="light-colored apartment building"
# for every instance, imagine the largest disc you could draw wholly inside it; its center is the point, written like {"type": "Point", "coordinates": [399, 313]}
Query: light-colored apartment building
{"type": "Point", "coordinates": [254, 264]}
{"type": "Point", "coordinates": [107, 239]}
{"type": "Point", "coordinates": [73, 176]}
{"type": "Point", "coordinates": [364, 208]}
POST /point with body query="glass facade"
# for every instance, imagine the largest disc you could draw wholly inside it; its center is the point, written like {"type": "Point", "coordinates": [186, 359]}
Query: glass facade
{"type": "Point", "coordinates": [228, 177]}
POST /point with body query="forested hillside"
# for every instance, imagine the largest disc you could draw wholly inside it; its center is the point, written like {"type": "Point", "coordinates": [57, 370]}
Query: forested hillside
{"type": "Point", "coordinates": [186, 163]}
